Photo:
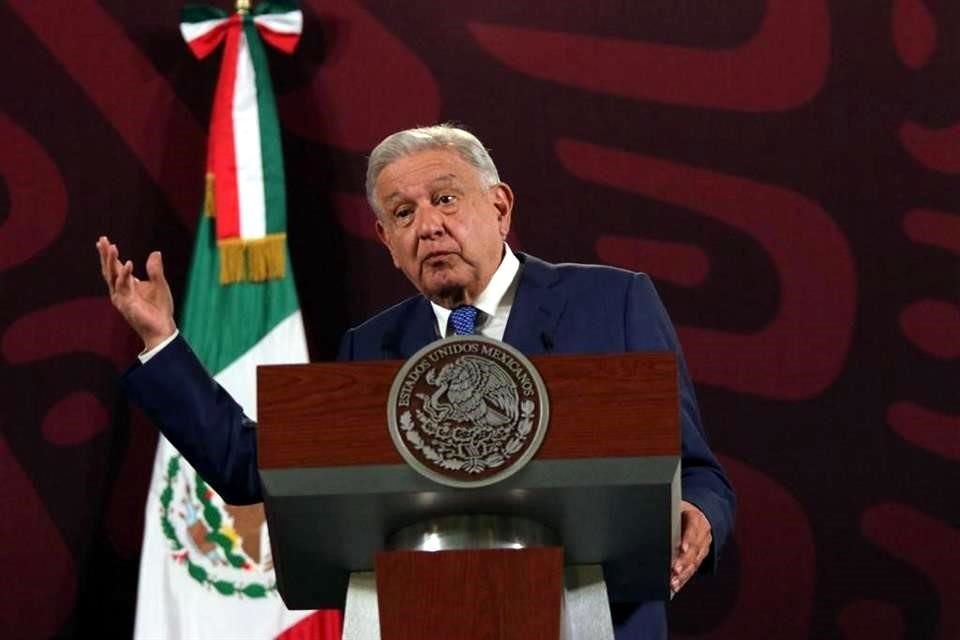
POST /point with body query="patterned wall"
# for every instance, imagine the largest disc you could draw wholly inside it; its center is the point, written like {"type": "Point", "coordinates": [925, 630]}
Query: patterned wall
{"type": "Point", "coordinates": [786, 170]}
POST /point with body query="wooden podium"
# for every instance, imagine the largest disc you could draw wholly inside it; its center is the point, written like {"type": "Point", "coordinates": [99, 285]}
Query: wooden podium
{"type": "Point", "coordinates": [604, 486]}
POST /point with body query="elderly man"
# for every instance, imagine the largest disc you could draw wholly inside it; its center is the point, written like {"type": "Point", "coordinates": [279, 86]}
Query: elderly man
{"type": "Point", "coordinates": [443, 213]}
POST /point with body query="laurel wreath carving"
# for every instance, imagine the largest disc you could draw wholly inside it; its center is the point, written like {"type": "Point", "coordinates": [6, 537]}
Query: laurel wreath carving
{"type": "Point", "coordinates": [455, 447]}
{"type": "Point", "coordinates": [214, 519]}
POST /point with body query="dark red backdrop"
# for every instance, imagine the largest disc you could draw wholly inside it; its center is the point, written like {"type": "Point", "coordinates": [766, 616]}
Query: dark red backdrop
{"type": "Point", "coordinates": [786, 170]}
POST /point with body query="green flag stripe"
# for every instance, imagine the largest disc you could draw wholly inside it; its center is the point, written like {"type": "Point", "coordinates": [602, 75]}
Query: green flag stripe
{"type": "Point", "coordinates": [274, 6]}
{"type": "Point", "coordinates": [270, 149]}
{"type": "Point", "coordinates": [224, 322]}
{"type": "Point", "coordinates": [200, 13]}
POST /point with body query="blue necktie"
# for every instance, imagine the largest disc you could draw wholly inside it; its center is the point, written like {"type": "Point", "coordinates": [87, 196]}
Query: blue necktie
{"type": "Point", "coordinates": [464, 320]}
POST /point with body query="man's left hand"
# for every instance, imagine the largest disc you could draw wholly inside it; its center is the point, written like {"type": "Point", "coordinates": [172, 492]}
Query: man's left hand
{"type": "Point", "coordinates": [695, 539]}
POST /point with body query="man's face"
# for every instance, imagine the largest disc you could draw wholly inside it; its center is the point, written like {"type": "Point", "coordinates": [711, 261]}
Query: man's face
{"type": "Point", "coordinates": [443, 227]}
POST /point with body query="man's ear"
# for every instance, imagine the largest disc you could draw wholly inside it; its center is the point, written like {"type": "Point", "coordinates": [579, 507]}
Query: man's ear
{"type": "Point", "coordinates": [503, 202]}
{"type": "Point", "coordinates": [384, 237]}
{"type": "Point", "coordinates": [381, 233]}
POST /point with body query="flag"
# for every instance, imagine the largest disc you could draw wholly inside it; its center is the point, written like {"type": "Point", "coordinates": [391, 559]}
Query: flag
{"type": "Point", "coordinates": [206, 569]}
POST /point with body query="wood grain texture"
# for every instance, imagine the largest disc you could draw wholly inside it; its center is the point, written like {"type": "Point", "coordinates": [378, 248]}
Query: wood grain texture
{"type": "Point", "coordinates": [488, 594]}
{"type": "Point", "coordinates": [334, 414]}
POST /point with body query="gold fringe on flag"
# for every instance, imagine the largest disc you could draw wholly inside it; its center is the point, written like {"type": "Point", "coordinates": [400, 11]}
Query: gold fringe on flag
{"type": "Point", "coordinates": [266, 257]}
{"type": "Point", "coordinates": [253, 260]}
{"type": "Point", "coordinates": [233, 266]}
{"type": "Point", "coordinates": [208, 200]}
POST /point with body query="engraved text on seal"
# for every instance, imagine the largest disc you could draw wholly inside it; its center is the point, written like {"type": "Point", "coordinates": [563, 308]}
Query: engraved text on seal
{"type": "Point", "coordinates": [468, 411]}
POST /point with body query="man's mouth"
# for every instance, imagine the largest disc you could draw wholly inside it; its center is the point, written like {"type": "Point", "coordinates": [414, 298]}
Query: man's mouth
{"type": "Point", "coordinates": [436, 258]}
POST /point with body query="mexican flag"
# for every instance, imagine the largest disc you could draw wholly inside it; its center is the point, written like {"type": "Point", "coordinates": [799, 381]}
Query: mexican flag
{"type": "Point", "coordinates": [206, 569]}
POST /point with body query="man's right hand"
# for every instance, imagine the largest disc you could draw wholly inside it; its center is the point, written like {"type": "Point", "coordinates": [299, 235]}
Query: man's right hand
{"type": "Point", "coordinates": [147, 305]}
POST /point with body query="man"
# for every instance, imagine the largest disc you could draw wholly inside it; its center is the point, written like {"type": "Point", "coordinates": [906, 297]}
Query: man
{"type": "Point", "coordinates": [443, 214]}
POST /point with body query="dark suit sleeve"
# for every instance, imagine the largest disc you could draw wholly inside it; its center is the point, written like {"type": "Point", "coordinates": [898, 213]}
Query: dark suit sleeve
{"type": "Point", "coordinates": [200, 420]}
{"type": "Point", "coordinates": [703, 480]}
{"type": "Point", "coordinates": [345, 353]}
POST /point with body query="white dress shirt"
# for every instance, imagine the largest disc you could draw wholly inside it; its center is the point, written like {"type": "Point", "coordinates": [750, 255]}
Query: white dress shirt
{"type": "Point", "coordinates": [494, 302]}
{"type": "Point", "coordinates": [146, 355]}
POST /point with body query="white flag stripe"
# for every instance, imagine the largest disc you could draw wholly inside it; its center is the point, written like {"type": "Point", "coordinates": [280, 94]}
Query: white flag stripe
{"type": "Point", "coordinates": [193, 30]}
{"type": "Point", "coordinates": [173, 606]}
{"type": "Point", "coordinates": [284, 344]}
{"type": "Point", "coordinates": [166, 613]}
{"type": "Point", "coordinates": [289, 22]}
{"type": "Point", "coordinates": [246, 143]}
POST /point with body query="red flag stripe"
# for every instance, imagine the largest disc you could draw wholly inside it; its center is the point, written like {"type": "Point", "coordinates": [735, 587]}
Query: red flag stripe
{"type": "Point", "coordinates": [202, 46]}
{"type": "Point", "coordinates": [221, 154]}
{"type": "Point", "coordinates": [326, 624]}
{"type": "Point", "coordinates": [286, 42]}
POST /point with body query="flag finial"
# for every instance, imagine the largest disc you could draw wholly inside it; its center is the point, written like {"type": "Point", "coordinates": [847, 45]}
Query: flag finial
{"type": "Point", "coordinates": [243, 6]}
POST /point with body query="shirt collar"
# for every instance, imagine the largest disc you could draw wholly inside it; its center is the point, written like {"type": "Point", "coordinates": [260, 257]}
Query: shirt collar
{"type": "Point", "coordinates": [489, 299]}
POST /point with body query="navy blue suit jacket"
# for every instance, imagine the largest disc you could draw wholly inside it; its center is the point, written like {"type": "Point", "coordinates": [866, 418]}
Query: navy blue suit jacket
{"type": "Point", "coordinates": [562, 308]}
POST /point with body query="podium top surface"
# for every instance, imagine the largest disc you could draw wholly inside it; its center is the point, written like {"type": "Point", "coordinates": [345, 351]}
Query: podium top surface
{"type": "Point", "coordinates": [334, 414]}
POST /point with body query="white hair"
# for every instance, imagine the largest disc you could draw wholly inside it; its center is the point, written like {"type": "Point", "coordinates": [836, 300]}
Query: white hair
{"type": "Point", "coordinates": [441, 136]}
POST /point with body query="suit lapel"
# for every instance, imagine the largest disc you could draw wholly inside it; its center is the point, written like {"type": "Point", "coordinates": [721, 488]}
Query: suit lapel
{"type": "Point", "coordinates": [536, 309]}
{"type": "Point", "coordinates": [531, 328]}
{"type": "Point", "coordinates": [420, 329]}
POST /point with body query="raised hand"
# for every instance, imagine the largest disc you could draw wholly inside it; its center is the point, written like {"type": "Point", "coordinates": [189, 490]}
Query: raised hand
{"type": "Point", "coordinates": [147, 305]}
{"type": "Point", "coordinates": [695, 540]}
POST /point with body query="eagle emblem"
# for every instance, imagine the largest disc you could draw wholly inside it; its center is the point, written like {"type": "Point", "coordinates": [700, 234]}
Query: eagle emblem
{"type": "Point", "coordinates": [467, 410]}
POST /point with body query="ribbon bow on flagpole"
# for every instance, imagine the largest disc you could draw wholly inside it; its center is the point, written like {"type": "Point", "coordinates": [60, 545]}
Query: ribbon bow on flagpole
{"type": "Point", "coordinates": [245, 180]}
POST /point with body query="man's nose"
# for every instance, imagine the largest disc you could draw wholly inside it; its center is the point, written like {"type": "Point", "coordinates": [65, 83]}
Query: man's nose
{"type": "Point", "coordinates": [430, 222]}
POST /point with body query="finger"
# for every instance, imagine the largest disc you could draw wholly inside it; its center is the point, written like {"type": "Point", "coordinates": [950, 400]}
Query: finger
{"type": "Point", "coordinates": [114, 266]}
{"type": "Point", "coordinates": [677, 582]}
{"type": "Point", "coordinates": [691, 555]}
{"type": "Point", "coordinates": [115, 263]}
{"type": "Point", "coordinates": [682, 572]}
{"type": "Point", "coordinates": [124, 282]}
{"type": "Point", "coordinates": [113, 255]}
{"type": "Point", "coordinates": [680, 581]}
{"type": "Point", "coordinates": [683, 562]}
{"type": "Point", "coordinates": [103, 248]}
{"type": "Point", "coordinates": [155, 268]}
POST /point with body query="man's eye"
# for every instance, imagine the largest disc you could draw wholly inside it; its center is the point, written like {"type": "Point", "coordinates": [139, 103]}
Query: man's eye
{"type": "Point", "coordinates": [446, 198]}
{"type": "Point", "coordinates": [403, 215]}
